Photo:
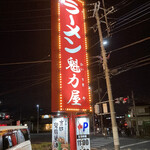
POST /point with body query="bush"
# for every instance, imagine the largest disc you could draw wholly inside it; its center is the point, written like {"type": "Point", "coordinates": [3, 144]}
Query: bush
{"type": "Point", "coordinates": [42, 146]}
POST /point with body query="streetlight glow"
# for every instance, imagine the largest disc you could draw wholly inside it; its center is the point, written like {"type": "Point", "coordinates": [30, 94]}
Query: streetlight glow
{"type": "Point", "coordinates": [105, 42]}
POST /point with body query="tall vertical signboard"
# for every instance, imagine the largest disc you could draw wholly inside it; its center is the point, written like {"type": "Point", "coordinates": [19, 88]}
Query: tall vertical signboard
{"type": "Point", "coordinates": [70, 74]}
{"type": "Point", "coordinates": [60, 133]}
{"type": "Point", "coordinates": [82, 133]}
{"type": "Point", "coordinates": [71, 60]}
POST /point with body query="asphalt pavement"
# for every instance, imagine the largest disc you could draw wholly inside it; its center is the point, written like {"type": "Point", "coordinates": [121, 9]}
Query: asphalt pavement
{"type": "Point", "coordinates": [98, 142]}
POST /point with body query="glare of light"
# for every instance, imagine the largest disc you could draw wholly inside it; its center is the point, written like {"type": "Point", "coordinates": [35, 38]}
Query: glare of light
{"type": "Point", "coordinates": [105, 42]}
{"type": "Point", "coordinates": [37, 105]}
{"type": "Point", "coordinates": [62, 1]}
{"type": "Point", "coordinates": [129, 115]}
{"type": "Point", "coordinates": [58, 114]}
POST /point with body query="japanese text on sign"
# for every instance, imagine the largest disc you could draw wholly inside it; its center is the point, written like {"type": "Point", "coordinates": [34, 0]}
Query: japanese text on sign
{"type": "Point", "coordinates": [75, 91]}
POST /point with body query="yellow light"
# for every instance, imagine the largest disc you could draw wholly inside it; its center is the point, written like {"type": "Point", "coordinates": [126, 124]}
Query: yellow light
{"type": "Point", "coordinates": [87, 62]}
{"type": "Point", "coordinates": [60, 66]}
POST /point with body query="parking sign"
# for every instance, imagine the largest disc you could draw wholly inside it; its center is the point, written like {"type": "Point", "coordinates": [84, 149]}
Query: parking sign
{"type": "Point", "coordinates": [82, 132]}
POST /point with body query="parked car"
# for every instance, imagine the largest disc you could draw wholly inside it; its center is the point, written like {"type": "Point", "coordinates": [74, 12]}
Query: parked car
{"type": "Point", "coordinates": [15, 138]}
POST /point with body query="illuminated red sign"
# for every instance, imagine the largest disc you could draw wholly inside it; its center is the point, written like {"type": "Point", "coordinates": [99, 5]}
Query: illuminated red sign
{"type": "Point", "coordinates": [74, 76]}
{"type": "Point", "coordinates": [3, 125]}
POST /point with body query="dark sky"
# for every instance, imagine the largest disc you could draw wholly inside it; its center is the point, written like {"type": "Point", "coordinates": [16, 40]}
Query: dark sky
{"type": "Point", "coordinates": [25, 37]}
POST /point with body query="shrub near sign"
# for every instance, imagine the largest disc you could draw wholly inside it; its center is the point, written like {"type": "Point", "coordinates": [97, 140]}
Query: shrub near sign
{"type": "Point", "coordinates": [82, 132]}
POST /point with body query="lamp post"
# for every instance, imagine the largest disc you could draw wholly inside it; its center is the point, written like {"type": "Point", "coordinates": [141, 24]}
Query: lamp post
{"type": "Point", "coordinates": [37, 106]}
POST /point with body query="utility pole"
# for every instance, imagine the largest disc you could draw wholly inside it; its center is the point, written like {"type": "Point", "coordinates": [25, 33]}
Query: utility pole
{"type": "Point", "coordinates": [135, 113]}
{"type": "Point", "coordinates": [99, 96]}
{"type": "Point", "coordinates": [106, 21]}
{"type": "Point", "coordinates": [93, 119]}
{"type": "Point", "coordinates": [37, 106]}
{"type": "Point", "coordinates": [109, 91]}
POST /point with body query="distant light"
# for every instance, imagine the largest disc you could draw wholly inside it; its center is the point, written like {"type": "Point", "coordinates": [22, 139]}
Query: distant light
{"type": "Point", "coordinates": [125, 124]}
{"type": "Point", "coordinates": [105, 42]}
{"type": "Point", "coordinates": [129, 115]}
{"type": "Point", "coordinates": [3, 124]}
{"type": "Point", "coordinates": [7, 117]}
{"type": "Point", "coordinates": [46, 116]}
{"type": "Point", "coordinates": [58, 114]}
{"type": "Point", "coordinates": [37, 105]}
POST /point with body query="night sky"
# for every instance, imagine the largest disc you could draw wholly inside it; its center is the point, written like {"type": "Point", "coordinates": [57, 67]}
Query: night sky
{"type": "Point", "coordinates": [25, 36]}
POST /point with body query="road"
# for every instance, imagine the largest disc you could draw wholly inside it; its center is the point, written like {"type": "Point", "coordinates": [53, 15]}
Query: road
{"type": "Point", "coordinates": [126, 143]}
{"type": "Point", "coordinates": [101, 143]}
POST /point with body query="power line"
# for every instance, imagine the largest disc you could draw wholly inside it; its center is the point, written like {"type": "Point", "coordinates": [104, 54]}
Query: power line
{"type": "Point", "coordinates": [140, 62]}
{"type": "Point", "coordinates": [23, 67]}
{"type": "Point", "coordinates": [127, 16]}
{"type": "Point", "coordinates": [94, 45]}
{"type": "Point", "coordinates": [102, 17]}
{"type": "Point", "coordinates": [30, 10]}
{"type": "Point", "coordinates": [25, 87]}
{"type": "Point", "coordinates": [133, 11]}
{"type": "Point", "coordinates": [27, 62]}
{"type": "Point", "coordinates": [114, 32]}
{"type": "Point", "coordinates": [133, 62]}
{"type": "Point", "coordinates": [25, 23]}
{"type": "Point", "coordinates": [24, 81]}
{"type": "Point", "coordinates": [123, 2]}
{"type": "Point", "coordinates": [32, 30]}
{"type": "Point", "coordinates": [120, 21]}
{"type": "Point", "coordinates": [123, 6]}
{"type": "Point", "coordinates": [35, 17]}
{"type": "Point", "coordinates": [131, 44]}
{"type": "Point", "coordinates": [37, 76]}
{"type": "Point", "coordinates": [130, 68]}
{"type": "Point", "coordinates": [131, 20]}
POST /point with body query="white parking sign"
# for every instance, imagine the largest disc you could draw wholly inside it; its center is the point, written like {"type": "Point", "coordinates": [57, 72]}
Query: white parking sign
{"type": "Point", "coordinates": [82, 132]}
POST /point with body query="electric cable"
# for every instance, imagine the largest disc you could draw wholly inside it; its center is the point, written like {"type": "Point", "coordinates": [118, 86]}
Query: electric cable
{"type": "Point", "coordinates": [131, 21]}
{"type": "Point", "coordinates": [133, 11]}
{"type": "Point", "coordinates": [23, 18]}
{"type": "Point", "coordinates": [130, 68]}
{"type": "Point", "coordinates": [141, 59]}
{"type": "Point", "coordinates": [26, 23]}
{"type": "Point", "coordinates": [124, 68]}
{"type": "Point", "coordinates": [32, 30]}
{"type": "Point", "coordinates": [128, 18]}
{"type": "Point", "coordinates": [131, 44]}
{"type": "Point", "coordinates": [124, 16]}
{"type": "Point", "coordinates": [25, 87]}
{"type": "Point", "coordinates": [23, 68]}
{"type": "Point", "coordinates": [114, 32]}
{"type": "Point", "coordinates": [27, 62]}
{"type": "Point", "coordinates": [123, 5]}
{"type": "Point", "coordinates": [24, 81]}
{"type": "Point", "coordinates": [31, 10]}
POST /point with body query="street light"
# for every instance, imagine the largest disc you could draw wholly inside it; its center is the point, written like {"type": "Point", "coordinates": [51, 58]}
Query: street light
{"type": "Point", "coordinates": [105, 42]}
{"type": "Point", "coordinates": [37, 106]}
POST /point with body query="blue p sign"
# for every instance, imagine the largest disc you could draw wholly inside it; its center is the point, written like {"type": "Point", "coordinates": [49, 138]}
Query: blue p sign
{"type": "Point", "coordinates": [85, 125]}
